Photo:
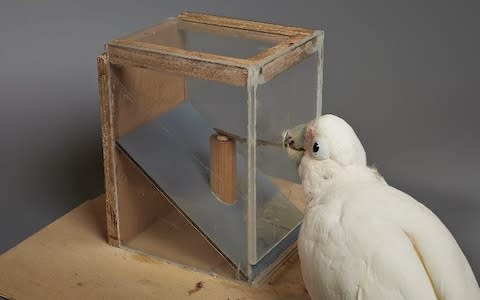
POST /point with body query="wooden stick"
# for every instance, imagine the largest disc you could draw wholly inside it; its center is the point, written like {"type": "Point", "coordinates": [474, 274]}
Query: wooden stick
{"type": "Point", "coordinates": [243, 24]}
{"type": "Point", "coordinates": [108, 137]}
{"type": "Point", "coordinates": [285, 61]}
{"type": "Point", "coordinates": [244, 140]}
{"type": "Point", "coordinates": [169, 59]}
{"type": "Point", "coordinates": [223, 167]}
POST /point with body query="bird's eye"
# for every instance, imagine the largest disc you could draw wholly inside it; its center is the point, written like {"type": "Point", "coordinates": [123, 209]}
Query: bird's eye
{"type": "Point", "coordinates": [320, 149]}
{"type": "Point", "coordinates": [315, 147]}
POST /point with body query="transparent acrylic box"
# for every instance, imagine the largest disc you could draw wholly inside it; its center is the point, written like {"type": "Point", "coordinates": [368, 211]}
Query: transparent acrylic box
{"type": "Point", "coordinates": [192, 116]}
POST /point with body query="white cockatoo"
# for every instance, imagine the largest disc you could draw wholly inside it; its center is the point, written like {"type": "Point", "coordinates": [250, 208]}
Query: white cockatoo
{"type": "Point", "coordinates": [363, 239]}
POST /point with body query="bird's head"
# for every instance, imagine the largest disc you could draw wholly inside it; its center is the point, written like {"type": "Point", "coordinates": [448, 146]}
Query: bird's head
{"type": "Point", "coordinates": [293, 140]}
{"type": "Point", "coordinates": [325, 138]}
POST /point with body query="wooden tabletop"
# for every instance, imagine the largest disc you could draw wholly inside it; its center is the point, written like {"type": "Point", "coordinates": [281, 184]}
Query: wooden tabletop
{"type": "Point", "coordinates": [69, 259]}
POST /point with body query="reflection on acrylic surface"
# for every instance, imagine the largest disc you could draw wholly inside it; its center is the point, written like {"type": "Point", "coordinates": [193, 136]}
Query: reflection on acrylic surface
{"type": "Point", "coordinates": [173, 150]}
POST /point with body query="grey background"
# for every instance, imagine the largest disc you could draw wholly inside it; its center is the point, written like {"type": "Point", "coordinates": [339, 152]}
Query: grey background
{"type": "Point", "coordinates": [405, 74]}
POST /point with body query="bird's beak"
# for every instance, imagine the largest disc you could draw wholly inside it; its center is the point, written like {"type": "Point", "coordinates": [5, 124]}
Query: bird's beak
{"type": "Point", "coordinates": [293, 140]}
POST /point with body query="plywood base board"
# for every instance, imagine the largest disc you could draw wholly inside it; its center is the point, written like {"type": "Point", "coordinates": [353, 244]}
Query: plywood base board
{"type": "Point", "coordinates": [69, 259]}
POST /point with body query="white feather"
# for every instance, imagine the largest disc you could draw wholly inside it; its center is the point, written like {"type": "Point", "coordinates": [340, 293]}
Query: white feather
{"type": "Point", "coordinates": [363, 239]}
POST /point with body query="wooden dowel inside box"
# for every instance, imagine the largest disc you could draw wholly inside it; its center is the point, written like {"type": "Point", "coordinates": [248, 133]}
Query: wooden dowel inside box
{"type": "Point", "coordinates": [223, 167]}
